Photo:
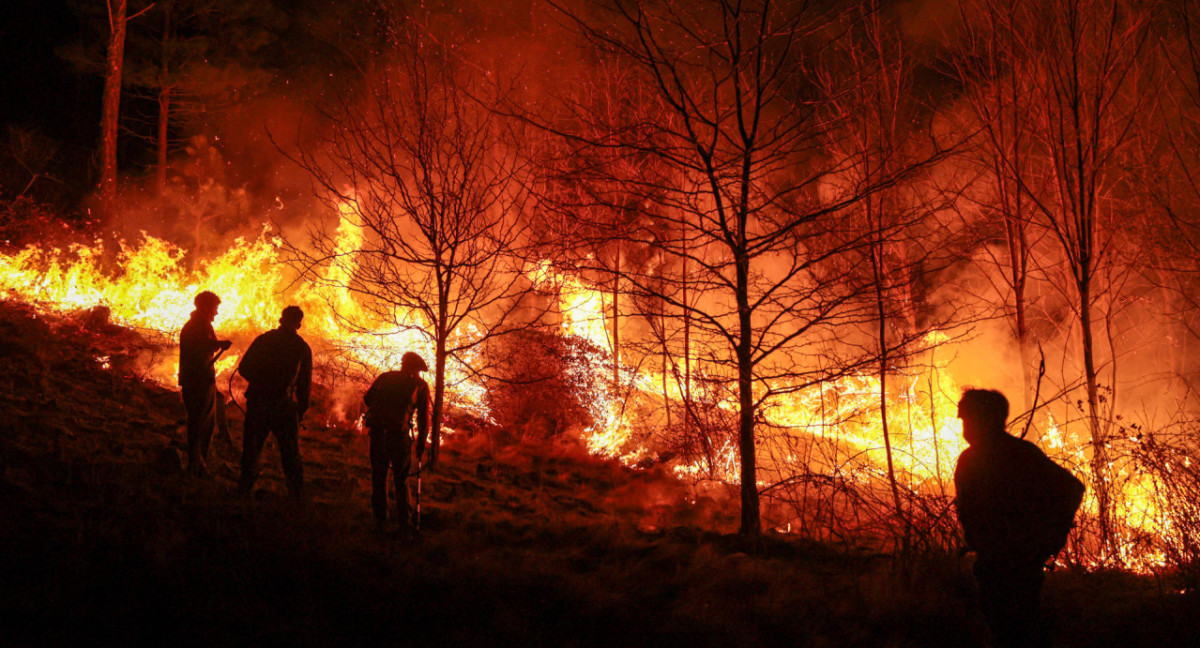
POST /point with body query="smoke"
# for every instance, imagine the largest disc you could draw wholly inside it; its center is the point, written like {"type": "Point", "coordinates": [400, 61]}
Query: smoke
{"type": "Point", "coordinates": [929, 25]}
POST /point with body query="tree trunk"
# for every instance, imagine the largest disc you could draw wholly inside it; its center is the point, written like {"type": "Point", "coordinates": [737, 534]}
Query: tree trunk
{"type": "Point", "coordinates": [687, 341]}
{"type": "Point", "coordinates": [666, 363]}
{"type": "Point", "coordinates": [881, 332]}
{"type": "Point", "coordinates": [439, 393]}
{"type": "Point", "coordinates": [164, 111]}
{"type": "Point", "coordinates": [164, 102]}
{"type": "Point", "coordinates": [616, 322]}
{"type": "Point", "coordinates": [439, 371]}
{"type": "Point", "coordinates": [1015, 236]}
{"type": "Point", "coordinates": [666, 350]}
{"type": "Point", "coordinates": [751, 525]}
{"type": "Point", "coordinates": [113, 65]}
{"type": "Point", "coordinates": [1100, 479]}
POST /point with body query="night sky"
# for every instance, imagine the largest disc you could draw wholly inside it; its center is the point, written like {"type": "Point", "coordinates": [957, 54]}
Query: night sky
{"type": "Point", "coordinates": [40, 89]}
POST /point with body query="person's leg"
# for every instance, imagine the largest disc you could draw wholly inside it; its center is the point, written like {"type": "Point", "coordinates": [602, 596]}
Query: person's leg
{"type": "Point", "coordinates": [192, 408]}
{"type": "Point", "coordinates": [198, 401]}
{"type": "Point", "coordinates": [1009, 597]}
{"type": "Point", "coordinates": [253, 437]}
{"type": "Point", "coordinates": [399, 451]}
{"type": "Point", "coordinates": [379, 470]}
{"type": "Point", "coordinates": [287, 432]}
{"type": "Point", "coordinates": [1025, 592]}
{"type": "Point", "coordinates": [208, 422]}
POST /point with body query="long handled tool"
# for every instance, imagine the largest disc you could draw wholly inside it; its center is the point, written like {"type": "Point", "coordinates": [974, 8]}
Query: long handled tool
{"type": "Point", "coordinates": [222, 416]}
{"type": "Point", "coordinates": [420, 469]}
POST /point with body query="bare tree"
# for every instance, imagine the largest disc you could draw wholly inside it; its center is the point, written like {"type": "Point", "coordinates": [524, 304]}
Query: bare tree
{"type": "Point", "coordinates": [873, 100]}
{"type": "Point", "coordinates": [739, 172]}
{"type": "Point", "coordinates": [433, 180]}
{"type": "Point", "coordinates": [1080, 83]}
{"type": "Point", "coordinates": [1174, 189]}
{"type": "Point", "coordinates": [995, 75]}
{"type": "Point", "coordinates": [193, 58]}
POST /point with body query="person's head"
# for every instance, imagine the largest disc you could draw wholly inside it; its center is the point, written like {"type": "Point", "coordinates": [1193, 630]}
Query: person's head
{"type": "Point", "coordinates": [412, 363]}
{"type": "Point", "coordinates": [206, 304]}
{"type": "Point", "coordinates": [983, 412]}
{"type": "Point", "coordinates": [291, 318]}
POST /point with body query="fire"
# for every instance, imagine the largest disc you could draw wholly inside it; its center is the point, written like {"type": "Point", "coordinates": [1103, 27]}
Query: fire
{"type": "Point", "coordinates": [834, 427]}
{"type": "Point", "coordinates": [842, 409]}
{"type": "Point", "coordinates": [151, 289]}
{"type": "Point", "coordinates": [582, 312]}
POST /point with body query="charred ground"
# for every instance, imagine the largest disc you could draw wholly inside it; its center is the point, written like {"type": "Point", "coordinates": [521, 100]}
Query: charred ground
{"type": "Point", "coordinates": [530, 543]}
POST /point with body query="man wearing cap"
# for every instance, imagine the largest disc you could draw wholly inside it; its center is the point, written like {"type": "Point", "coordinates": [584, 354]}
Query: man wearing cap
{"type": "Point", "coordinates": [198, 350]}
{"type": "Point", "coordinates": [392, 400]}
{"type": "Point", "coordinates": [278, 368]}
{"type": "Point", "coordinates": [1016, 507]}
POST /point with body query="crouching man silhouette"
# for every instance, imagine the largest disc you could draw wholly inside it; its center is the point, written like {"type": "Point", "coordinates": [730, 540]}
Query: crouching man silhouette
{"type": "Point", "coordinates": [1016, 507]}
{"type": "Point", "coordinates": [393, 400]}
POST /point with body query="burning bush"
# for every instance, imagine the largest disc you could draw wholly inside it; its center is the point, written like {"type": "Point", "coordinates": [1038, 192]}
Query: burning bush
{"type": "Point", "coordinates": [1176, 485]}
{"type": "Point", "coordinates": [541, 383]}
{"type": "Point", "coordinates": [702, 433]}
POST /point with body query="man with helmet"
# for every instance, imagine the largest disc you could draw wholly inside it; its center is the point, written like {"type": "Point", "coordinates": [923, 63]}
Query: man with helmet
{"type": "Point", "coordinates": [392, 400]}
{"type": "Point", "coordinates": [198, 350]}
{"type": "Point", "coordinates": [1016, 507]}
{"type": "Point", "coordinates": [278, 368]}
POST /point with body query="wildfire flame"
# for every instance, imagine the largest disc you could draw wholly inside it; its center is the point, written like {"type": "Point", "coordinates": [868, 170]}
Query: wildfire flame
{"type": "Point", "coordinates": [149, 288]}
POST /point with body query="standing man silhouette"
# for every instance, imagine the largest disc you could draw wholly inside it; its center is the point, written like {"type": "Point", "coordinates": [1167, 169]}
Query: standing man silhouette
{"type": "Point", "coordinates": [1016, 507]}
{"type": "Point", "coordinates": [278, 368]}
{"type": "Point", "coordinates": [198, 350]}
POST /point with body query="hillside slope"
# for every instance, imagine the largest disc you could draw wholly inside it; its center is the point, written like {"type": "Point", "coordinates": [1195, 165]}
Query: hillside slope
{"type": "Point", "coordinates": [524, 544]}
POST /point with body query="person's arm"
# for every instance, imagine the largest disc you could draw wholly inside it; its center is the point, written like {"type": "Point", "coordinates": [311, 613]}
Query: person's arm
{"type": "Point", "coordinates": [422, 409]}
{"type": "Point", "coordinates": [304, 380]}
{"type": "Point", "coordinates": [247, 367]}
{"type": "Point", "coordinates": [212, 346]}
{"type": "Point", "coordinates": [967, 499]}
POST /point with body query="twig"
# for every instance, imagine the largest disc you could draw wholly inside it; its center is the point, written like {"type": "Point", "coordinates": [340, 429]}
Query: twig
{"type": "Point", "coordinates": [1037, 392]}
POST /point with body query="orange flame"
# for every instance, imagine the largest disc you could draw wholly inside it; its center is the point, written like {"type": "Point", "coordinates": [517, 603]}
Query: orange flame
{"type": "Point", "coordinates": [150, 289]}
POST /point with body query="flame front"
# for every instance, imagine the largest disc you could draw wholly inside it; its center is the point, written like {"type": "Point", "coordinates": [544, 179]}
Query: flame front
{"type": "Point", "coordinates": [151, 290]}
{"type": "Point", "coordinates": [833, 429]}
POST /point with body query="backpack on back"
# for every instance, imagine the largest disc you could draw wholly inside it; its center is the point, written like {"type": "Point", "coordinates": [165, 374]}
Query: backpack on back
{"type": "Point", "coordinates": [392, 400]}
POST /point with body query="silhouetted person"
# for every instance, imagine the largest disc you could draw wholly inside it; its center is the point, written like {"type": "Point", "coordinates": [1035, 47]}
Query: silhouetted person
{"type": "Point", "coordinates": [1016, 507]}
{"type": "Point", "coordinates": [198, 349]}
{"type": "Point", "coordinates": [393, 399]}
{"type": "Point", "coordinates": [278, 368]}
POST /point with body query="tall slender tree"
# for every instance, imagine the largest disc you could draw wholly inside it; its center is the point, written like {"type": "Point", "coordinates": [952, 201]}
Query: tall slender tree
{"type": "Point", "coordinates": [880, 135]}
{"type": "Point", "coordinates": [114, 64]}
